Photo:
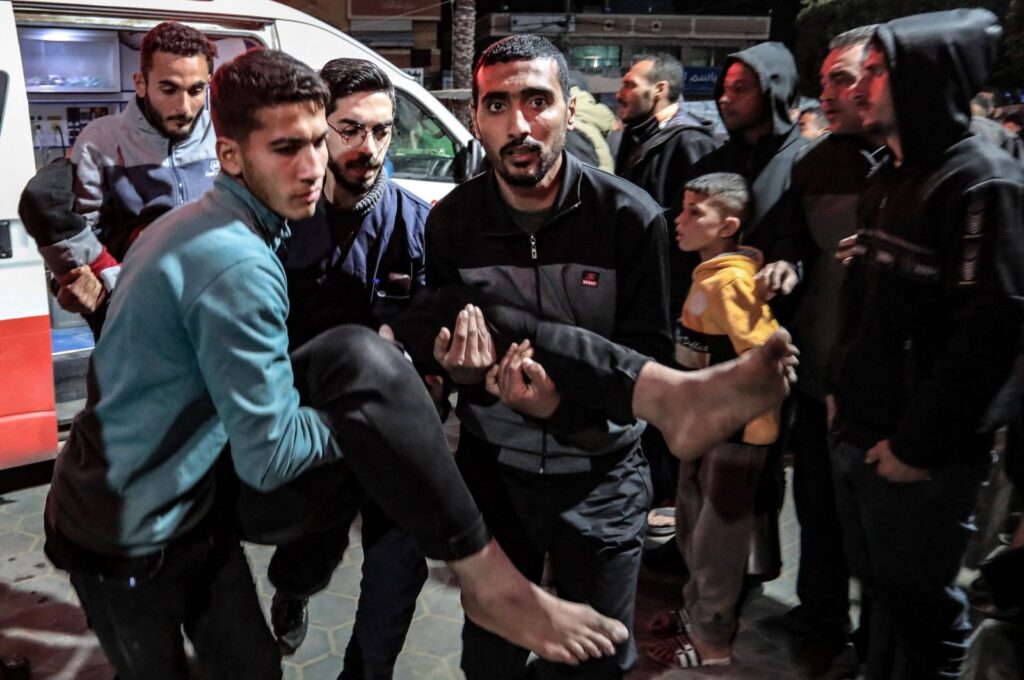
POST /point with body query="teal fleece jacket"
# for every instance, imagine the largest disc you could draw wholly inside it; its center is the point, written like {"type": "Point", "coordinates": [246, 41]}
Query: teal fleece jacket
{"type": "Point", "coordinates": [193, 354]}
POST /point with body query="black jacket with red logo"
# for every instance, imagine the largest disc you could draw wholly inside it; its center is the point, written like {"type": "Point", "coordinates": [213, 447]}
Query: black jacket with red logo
{"type": "Point", "coordinates": [599, 262]}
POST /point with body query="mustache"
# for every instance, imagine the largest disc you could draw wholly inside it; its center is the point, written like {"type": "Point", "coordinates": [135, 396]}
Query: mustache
{"type": "Point", "coordinates": [520, 146]}
{"type": "Point", "coordinates": [366, 162]}
{"type": "Point", "coordinates": [180, 119]}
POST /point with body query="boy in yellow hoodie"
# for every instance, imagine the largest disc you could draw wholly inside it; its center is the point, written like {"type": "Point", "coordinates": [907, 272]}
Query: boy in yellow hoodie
{"type": "Point", "coordinates": [723, 316]}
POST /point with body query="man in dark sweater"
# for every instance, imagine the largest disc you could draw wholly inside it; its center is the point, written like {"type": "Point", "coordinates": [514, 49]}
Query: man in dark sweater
{"type": "Point", "coordinates": [821, 209]}
{"type": "Point", "coordinates": [660, 141]}
{"type": "Point", "coordinates": [358, 260]}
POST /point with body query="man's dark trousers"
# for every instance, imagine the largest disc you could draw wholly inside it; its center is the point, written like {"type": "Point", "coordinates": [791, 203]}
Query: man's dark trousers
{"type": "Point", "coordinates": [589, 524]}
{"type": "Point", "coordinates": [905, 542]}
{"type": "Point", "coordinates": [823, 581]}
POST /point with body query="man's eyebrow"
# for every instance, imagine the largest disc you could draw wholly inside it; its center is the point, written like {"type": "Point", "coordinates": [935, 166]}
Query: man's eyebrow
{"type": "Point", "coordinates": [171, 83]}
{"type": "Point", "coordinates": [494, 94]}
{"type": "Point", "coordinates": [285, 141]}
{"type": "Point", "coordinates": [534, 91]}
{"type": "Point", "coordinates": [349, 121]}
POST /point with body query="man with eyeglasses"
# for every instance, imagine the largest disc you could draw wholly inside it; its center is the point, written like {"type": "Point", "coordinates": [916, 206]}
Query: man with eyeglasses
{"type": "Point", "coordinates": [357, 260]}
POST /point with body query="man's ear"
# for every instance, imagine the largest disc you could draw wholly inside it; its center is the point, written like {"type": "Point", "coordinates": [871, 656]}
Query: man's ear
{"type": "Point", "coordinates": [229, 153]}
{"type": "Point", "coordinates": [730, 226]}
{"type": "Point", "coordinates": [570, 113]}
{"type": "Point", "coordinates": [140, 84]}
{"type": "Point", "coordinates": [661, 90]}
{"type": "Point", "coordinates": [473, 110]}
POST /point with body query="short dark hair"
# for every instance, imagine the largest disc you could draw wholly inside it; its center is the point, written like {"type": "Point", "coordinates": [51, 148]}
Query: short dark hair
{"type": "Point", "coordinates": [175, 38]}
{"type": "Point", "coordinates": [522, 47]}
{"type": "Point", "coordinates": [727, 189]}
{"type": "Point", "coordinates": [664, 67]}
{"type": "Point", "coordinates": [855, 36]}
{"type": "Point", "coordinates": [345, 76]}
{"type": "Point", "coordinates": [258, 79]}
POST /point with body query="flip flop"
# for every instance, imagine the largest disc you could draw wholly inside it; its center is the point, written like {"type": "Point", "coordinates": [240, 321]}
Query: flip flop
{"type": "Point", "coordinates": [661, 531]}
{"type": "Point", "coordinates": [683, 654]}
{"type": "Point", "coordinates": [675, 621]}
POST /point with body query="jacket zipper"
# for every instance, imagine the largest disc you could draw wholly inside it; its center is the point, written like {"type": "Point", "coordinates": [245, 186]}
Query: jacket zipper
{"type": "Point", "coordinates": [540, 310]}
{"type": "Point", "coordinates": [177, 175]}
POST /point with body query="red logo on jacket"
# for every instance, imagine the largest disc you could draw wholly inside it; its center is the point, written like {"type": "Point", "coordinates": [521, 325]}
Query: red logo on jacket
{"type": "Point", "coordinates": [590, 279]}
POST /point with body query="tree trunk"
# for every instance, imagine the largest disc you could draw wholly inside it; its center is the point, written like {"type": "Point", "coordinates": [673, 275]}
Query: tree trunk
{"type": "Point", "coordinates": [463, 40]}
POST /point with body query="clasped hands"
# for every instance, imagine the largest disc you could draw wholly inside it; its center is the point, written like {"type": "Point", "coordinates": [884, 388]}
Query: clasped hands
{"type": "Point", "coordinates": [469, 356]}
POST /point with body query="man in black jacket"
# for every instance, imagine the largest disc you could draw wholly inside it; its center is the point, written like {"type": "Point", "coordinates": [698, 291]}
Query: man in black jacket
{"type": "Point", "coordinates": [565, 241]}
{"type": "Point", "coordinates": [660, 141]}
{"type": "Point", "coordinates": [821, 209]}
{"type": "Point", "coordinates": [754, 97]}
{"type": "Point", "coordinates": [932, 315]}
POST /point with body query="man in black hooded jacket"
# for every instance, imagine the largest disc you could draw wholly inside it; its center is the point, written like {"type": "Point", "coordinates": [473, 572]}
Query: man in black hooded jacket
{"type": "Point", "coordinates": [932, 311]}
{"type": "Point", "coordinates": [754, 97]}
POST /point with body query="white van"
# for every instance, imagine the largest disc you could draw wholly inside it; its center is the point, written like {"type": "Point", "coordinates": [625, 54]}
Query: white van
{"type": "Point", "coordinates": [64, 63]}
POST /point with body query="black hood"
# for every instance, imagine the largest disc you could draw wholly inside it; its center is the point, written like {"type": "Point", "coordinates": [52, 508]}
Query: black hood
{"type": "Point", "coordinates": [776, 71]}
{"type": "Point", "coordinates": [937, 62]}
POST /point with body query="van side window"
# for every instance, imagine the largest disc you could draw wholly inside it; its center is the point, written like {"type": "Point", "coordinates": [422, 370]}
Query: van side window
{"type": "Point", "coordinates": [422, 149]}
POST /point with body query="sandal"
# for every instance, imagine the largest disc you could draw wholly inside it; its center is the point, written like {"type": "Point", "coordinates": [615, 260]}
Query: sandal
{"type": "Point", "coordinates": [661, 515]}
{"type": "Point", "coordinates": [679, 652]}
{"type": "Point", "coordinates": [670, 622]}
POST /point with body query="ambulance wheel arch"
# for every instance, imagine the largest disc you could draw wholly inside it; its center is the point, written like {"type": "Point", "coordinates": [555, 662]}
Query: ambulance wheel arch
{"type": "Point", "coordinates": [28, 420]}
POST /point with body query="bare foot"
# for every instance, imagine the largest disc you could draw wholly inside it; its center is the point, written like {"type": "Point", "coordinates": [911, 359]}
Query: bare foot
{"type": "Point", "coordinates": [498, 598]}
{"type": "Point", "coordinates": [696, 410]}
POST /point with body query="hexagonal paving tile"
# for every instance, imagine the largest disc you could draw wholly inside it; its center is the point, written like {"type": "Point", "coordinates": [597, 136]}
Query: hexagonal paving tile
{"type": "Point", "coordinates": [345, 580]}
{"type": "Point", "coordinates": [25, 504]}
{"type": "Point", "coordinates": [322, 669]}
{"type": "Point", "coordinates": [434, 636]}
{"type": "Point", "coordinates": [330, 611]}
{"type": "Point", "coordinates": [18, 568]}
{"type": "Point", "coordinates": [16, 542]}
{"type": "Point", "coordinates": [414, 666]}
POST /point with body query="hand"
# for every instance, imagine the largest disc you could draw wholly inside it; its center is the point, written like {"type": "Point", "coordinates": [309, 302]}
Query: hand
{"type": "Point", "coordinates": [846, 249]}
{"type": "Point", "coordinates": [892, 468]}
{"type": "Point", "coordinates": [777, 277]}
{"type": "Point", "coordinates": [468, 354]}
{"type": "Point", "coordinates": [435, 388]}
{"type": "Point", "coordinates": [81, 291]}
{"type": "Point", "coordinates": [522, 384]}
{"type": "Point", "coordinates": [830, 410]}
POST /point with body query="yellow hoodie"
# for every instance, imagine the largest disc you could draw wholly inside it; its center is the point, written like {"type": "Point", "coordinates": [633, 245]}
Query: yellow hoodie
{"type": "Point", "coordinates": [723, 316]}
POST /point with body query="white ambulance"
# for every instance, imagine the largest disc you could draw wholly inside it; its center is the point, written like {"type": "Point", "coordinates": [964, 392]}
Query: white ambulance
{"type": "Point", "coordinates": [65, 63]}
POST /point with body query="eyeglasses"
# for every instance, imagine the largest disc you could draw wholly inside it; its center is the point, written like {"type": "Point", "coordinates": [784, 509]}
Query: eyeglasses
{"type": "Point", "coordinates": [354, 134]}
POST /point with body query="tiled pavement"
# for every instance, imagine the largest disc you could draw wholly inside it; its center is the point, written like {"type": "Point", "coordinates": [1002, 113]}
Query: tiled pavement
{"type": "Point", "coordinates": [40, 618]}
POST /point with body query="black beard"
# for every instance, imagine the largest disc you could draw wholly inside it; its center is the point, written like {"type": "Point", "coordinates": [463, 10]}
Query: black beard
{"type": "Point", "coordinates": [533, 178]}
{"type": "Point", "coordinates": [157, 121]}
{"type": "Point", "coordinates": [356, 189]}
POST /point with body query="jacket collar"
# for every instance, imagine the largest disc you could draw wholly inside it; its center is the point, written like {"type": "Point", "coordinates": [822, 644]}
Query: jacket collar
{"type": "Point", "coordinates": [498, 222]}
{"type": "Point", "coordinates": [264, 222]}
